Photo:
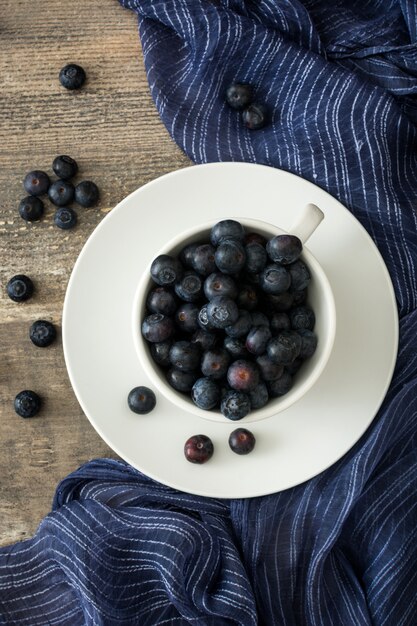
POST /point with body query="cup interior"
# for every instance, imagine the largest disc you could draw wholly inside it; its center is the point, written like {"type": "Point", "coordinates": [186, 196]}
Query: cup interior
{"type": "Point", "coordinates": [320, 298]}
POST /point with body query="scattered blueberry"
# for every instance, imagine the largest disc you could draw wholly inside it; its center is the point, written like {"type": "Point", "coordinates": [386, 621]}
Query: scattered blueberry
{"type": "Point", "coordinates": [284, 347]}
{"type": "Point", "coordinates": [222, 312]}
{"type": "Point", "coordinates": [275, 279]}
{"type": "Point", "coordinates": [259, 397]}
{"type": "Point", "coordinates": [42, 333]}
{"type": "Point", "coordinates": [86, 193]}
{"type": "Point", "coordinates": [300, 275]}
{"type": "Point", "coordinates": [180, 380]}
{"type": "Point", "coordinates": [161, 300]}
{"type": "Point", "coordinates": [27, 403]}
{"type": "Point", "coordinates": [284, 249]}
{"type": "Point", "coordinates": [308, 343]}
{"type": "Point", "coordinates": [185, 355]}
{"type": "Point", "coordinates": [255, 116]}
{"type": "Point", "coordinates": [242, 441]}
{"type": "Point", "coordinates": [19, 288]}
{"type": "Point", "coordinates": [239, 95]}
{"type": "Point", "coordinates": [243, 375]}
{"type": "Point", "coordinates": [230, 256]}
{"type": "Point", "coordinates": [236, 348]}
{"type": "Point", "coordinates": [227, 229]}
{"type": "Point", "coordinates": [36, 183]}
{"type": "Point", "coordinates": [256, 257]}
{"type": "Point", "coordinates": [203, 260]}
{"type": "Point", "coordinates": [64, 166]}
{"type": "Point", "coordinates": [31, 208]}
{"type": "Point", "coordinates": [190, 287]}
{"type": "Point", "coordinates": [186, 317]}
{"type": "Point", "coordinates": [214, 363]}
{"type": "Point", "coordinates": [218, 284]}
{"type": "Point", "coordinates": [65, 218]}
{"type": "Point", "coordinates": [268, 369]}
{"type": "Point", "coordinates": [61, 192]}
{"type": "Point", "coordinates": [165, 270]}
{"type": "Point", "coordinates": [257, 339]}
{"type": "Point", "coordinates": [157, 328]}
{"type": "Point", "coordinates": [72, 76]}
{"type": "Point", "coordinates": [186, 255]}
{"type": "Point", "coordinates": [205, 393]}
{"type": "Point", "coordinates": [141, 400]}
{"type": "Point", "coordinates": [160, 353]}
{"type": "Point", "coordinates": [302, 317]}
{"type": "Point", "coordinates": [198, 449]}
{"type": "Point", "coordinates": [280, 386]}
{"type": "Point", "coordinates": [242, 325]}
{"type": "Point", "coordinates": [235, 405]}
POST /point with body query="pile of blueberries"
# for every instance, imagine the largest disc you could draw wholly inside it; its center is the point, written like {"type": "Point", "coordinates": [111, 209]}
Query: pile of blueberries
{"type": "Point", "coordinates": [228, 320]}
{"type": "Point", "coordinates": [60, 192]}
{"type": "Point", "coordinates": [241, 97]}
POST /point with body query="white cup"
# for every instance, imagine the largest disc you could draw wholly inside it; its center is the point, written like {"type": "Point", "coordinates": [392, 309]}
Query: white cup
{"type": "Point", "coordinates": [320, 298]}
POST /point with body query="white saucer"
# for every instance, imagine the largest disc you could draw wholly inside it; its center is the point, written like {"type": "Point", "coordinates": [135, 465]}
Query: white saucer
{"type": "Point", "coordinates": [103, 366]}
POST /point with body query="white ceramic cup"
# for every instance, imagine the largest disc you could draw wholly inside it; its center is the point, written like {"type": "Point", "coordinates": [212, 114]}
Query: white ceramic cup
{"type": "Point", "coordinates": [320, 298]}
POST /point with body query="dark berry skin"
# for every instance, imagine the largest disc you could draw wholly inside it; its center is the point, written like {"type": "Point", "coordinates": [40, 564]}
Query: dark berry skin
{"type": "Point", "coordinates": [161, 300]}
{"type": "Point", "coordinates": [181, 381]}
{"type": "Point", "coordinates": [242, 325]}
{"type": "Point", "coordinates": [64, 166]}
{"type": "Point", "coordinates": [222, 312]}
{"type": "Point", "coordinates": [280, 386]}
{"type": "Point", "coordinates": [203, 319]}
{"type": "Point", "coordinates": [42, 333]}
{"type": "Point", "coordinates": [293, 367]}
{"type": "Point", "coordinates": [257, 339]}
{"type": "Point", "coordinates": [203, 260]}
{"type": "Point", "coordinates": [185, 355]}
{"type": "Point", "coordinates": [186, 317]}
{"type": "Point", "coordinates": [198, 449]}
{"type": "Point", "coordinates": [190, 287]}
{"type": "Point", "coordinates": [218, 284]}
{"type": "Point", "coordinates": [160, 353]}
{"type": "Point", "coordinates": [241, 441]}
{"type": "Point", "coordinates": [205, 339]}
{"type": "Point", "coordinates": [141, 400]}
{"type": "Point", "coordinates": [275, 279]}
{"type": "Point", "coordinates": [255, 116]}
{"type": "Point", "coordinates": [247, 298]}
{"type": "Point", "coordinates": [205, 394]}
{"type": "Point", "coordinates": [280, 321]}
{"type": "Point", "coordinates": [268, 369]}
{"type": "Point", "coordinates": [72, 76]}
{"type": "Point", "coordinates": [256, 257]}
{"type": "Point", "coordinates": [302, 317]}
{"type": "Point", "coordinates": [27, 403]}
{"type": "Point", "coordinates": [227, 229]}
{"type": "Point", "coordinates": [300, 275]}
{"type": "Point", "coordinates": [239, 95]}
{"type": "Point", "coordinates": [20, 288]}
{"type": "Point", "coordinates": [187, 253]}
{"type": "Point", "coordinates": [166, 270]}
{"type": "Point", "coordinates": [308, 343]}
{"type": "Point", "coordinates": [299, 297]}
{"type": "Point", "coordinates": [86, 193]}
{"type": "Point", "coordinates": [61, 192]}
{"type": "Point", "coordinates": [65, 218]}
{"type": "Point", "coordinates": [259, 397]}
{"type": "Point", "coordinates": [230, 256]}
{"type": "Point", "coordinates": [157, 328]}
{"type": "Point", "coordinates": [285, 347]}
{"type": "Point", "coordinates": [31, 209]}
{"type": "Point", "coordinates": [214, 363]}
{"type": "Point", "coordinates": [277, 302]}
{"type": "Point", "coordinates": [255, 238]}
{"type": "Point", "coordinates": [259, 319]}
{"type": "Point", "coordinates": [235, 405]}
{"type": "Point", "coordinates": [36, 183]}
{"type": "Point", "coordinates": [243, 375]}
{"type": "Point", "coordinates": [236, 348]}
{"type": "Point", "coordinates": [284, 249]}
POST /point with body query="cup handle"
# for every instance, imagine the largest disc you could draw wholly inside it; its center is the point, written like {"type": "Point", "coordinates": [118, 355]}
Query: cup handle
{"type": "Point", "coordinates": [310, 218]}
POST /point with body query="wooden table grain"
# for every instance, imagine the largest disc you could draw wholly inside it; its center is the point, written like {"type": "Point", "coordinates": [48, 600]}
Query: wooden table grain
{"type": "Point", "coordinates": [111, 127]}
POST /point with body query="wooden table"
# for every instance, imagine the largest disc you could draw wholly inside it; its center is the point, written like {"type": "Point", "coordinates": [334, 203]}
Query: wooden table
{"type": "Point", "coordinates": [111, 127]}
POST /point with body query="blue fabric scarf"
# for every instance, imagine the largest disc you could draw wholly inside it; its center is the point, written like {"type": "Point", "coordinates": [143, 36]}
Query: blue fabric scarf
{"type": "Point", "coordinates": [340, 78]}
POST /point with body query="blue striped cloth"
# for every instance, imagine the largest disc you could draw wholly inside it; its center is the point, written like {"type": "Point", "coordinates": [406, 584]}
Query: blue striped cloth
{"type": "Point", "coordinates": [340, 78]}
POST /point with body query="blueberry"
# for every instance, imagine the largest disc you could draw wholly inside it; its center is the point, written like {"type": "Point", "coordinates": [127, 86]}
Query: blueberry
{"type": "Point", "coordinates": [65, 218]}
{"type": "Point", "coordinates": [236, 348]}
{"type": "Point", "coordinates": [230, 256]}
{"type": "Point", "coordinates": [299, 297]}
{"type": "Point", "coordinates": [161, 300]}
{"type": "Point", "coordinates": [247, 298]}
{"type": "Point", "coordinates": [215, 363]}
{"type": "Point", "coordinates": [259, 396]}
{"type": "Point", "coordinates": [300, 275]}
{"type": "Point", "coordinates": [255, 238]}
{"type": "Point", "coordinates": [205, 393]}
{"type": "Point", "coordinates": [250, 278]}
{"type": "Point", "coordinates": [255, 116]}
{"type": "Point", "coordinates": [257, 339]}
{"type": "Point", "coordinates": [218, 284]}
{"type": "Point", "coordinates": [308, 343]}
{"type": "Point", "coordinates": [280, 321]}
{"type": "Point", "coordinates": [203, 319]}
{"type": "Point", "coordinates": [227, 229]}
{"type": "Point", "coordinates": [141, 400]}
{"type": "Point", "coordinates": [302, 317]}
{"type": "Point", "coordinates": [72, 76]}
{"type": "Point", "coordinates": [268, 369]}
{"type": "Point", "coordinates": [198, 449]}
{"type": "Point", "coordinates": [205, 339]}
{"type": "Point", "coordinates": [190, 287]}
{"type": "Point", "coordinates": [284, 249]}
{"type": "Point", "coordinates": [259, 319]}
{"type": "Point", "coordinates": [275, 279]}
{"type": "Point", "coordinates": [181, 381]}
{"type": "Point", "coordinates": [165, 270]}
{"type": "Point", "coordinates": [203, 259]}
{"type": "Point", "coordinates": [185, 355]}
{"type": "Point", "coordinates": [186, 317]}
{"type": "Point", "coordinates": [243, 375]}
{"type": "Point", "coordinates": [42, 333]}
{"type": "Point", "coordinates": [27, 403]}
{"type": "Point", "coordinates": [36, 183]}
{"type": "Point", "coordinates": [160, 353]}
{"type": "Point", "coordinates": [293, 367]}
{"type": "Point", "coordinates": [86, 193]}
{"type": "Point", "coordinates": [280, 386]}
{"type": "Point", "coordinates": [242, 325]}
{"type": "Point", "coordinates": [222, 312]}
{"type": "Point", "coordinates": [277, 302]}
{"type": "Point", "coordinates": [239, 95]}
{"type": "Point", "coordinates": [19, 288]}
{"type": "Point", "coordinates": [285, 347]}
{"type": "Point", "coordinates": [187, 253]}
{"type": "Point", "coordinates": [61, 192]}
{"type": "Point", "coordinates": [242, 441]}
{"type": "Point", "coordinates": [256, 257]}
{"type": "Point", "coordinates": [64, 166]}
{"type": "Point", "coordinates": [157, 328]}
{"type": "Point", "coordinates": [235, 405]}
{"type": "Point", "coordinates": [31, 208]}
